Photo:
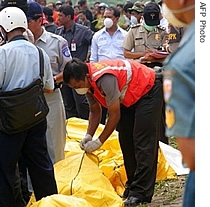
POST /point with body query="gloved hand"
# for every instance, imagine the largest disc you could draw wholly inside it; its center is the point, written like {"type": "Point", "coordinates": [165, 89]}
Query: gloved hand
{"type": "Point", "coordinates": [87, 138]}
{"type": "Point", "coordinates": [91, 146]}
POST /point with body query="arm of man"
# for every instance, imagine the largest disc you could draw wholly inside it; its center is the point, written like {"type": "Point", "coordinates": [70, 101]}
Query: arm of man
{"type": "Point", "coordinates": [112, 121]}
{"type": "Point", "coordinates": [59, 77]}
{"type": "Point", "coordinates": [94, 118]}
{"type": "Point", "coordinates": [109, 85]}
{"type": "Point", "coordinates": [187, 148]}
{"type": "Point", "coordinates": [94, 49]}
{"type": "Point", "coordinates": [48, 76]}
{"type": "Point", "coordinates": [135, 55]}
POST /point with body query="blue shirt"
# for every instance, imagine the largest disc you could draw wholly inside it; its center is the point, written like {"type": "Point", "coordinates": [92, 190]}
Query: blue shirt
{"type": "Point", "coordinates": [19, 65]}
{"type": "Point", "coordinates": [179, 87]}
{"type": "Point", "coordinates": [105, 46]}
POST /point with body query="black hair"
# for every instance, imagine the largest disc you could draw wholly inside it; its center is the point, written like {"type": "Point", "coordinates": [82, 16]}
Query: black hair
{"type": "Point", "coordinates": [67, 10]}
{"type": "Point", "coordinates": [97, 2]}
{"type": "Point", "coordinates": [68, 2]}
{"type": "Point", "coordinates": [126, 6]}
{"type": "Point", "coordinates": [82, 2]}
{"type": "Point", "coordinates": [75, 69]}
{"type": "Point", "coordinates": [115, 10]}
{"type": "Point", "coordinates": [120, 5]}
{"type": "Point", "coordinates": [48, 13]}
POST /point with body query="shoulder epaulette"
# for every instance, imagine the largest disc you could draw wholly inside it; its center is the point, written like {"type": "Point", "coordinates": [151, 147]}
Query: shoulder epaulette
{"type": "Point", "coordinates": [135, 25]}
{"type": "Point", "coordinates": [160, 27]}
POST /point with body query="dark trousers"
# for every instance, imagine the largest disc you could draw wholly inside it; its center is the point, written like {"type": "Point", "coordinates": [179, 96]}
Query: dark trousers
{"type": "Point", "coordinates": [189, 192]}
{"type": "Point", "coordinates": [139, 131]}
{"type": "Point", "coordinates": [163, 138]}
{"type": "Point", "coordinates": [20, 202]}
{"type": "Point", "coordinates": [32, 144]}
{"type": "Point", "coordinates": [75, 105]}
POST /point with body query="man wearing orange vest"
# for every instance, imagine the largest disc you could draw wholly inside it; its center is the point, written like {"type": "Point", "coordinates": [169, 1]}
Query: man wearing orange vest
{"type": "Point", "coordinates": [133, 95]}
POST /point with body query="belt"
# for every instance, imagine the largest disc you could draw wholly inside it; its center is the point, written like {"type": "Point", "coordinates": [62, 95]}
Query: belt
{"type": "Point", "coordinates": [158, 76]}
{"type": "Point", "coordinates": [158, 73]}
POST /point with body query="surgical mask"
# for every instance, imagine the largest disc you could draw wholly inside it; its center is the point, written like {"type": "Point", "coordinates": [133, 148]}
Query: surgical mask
{"type": "Point", "coordinates": [134, 20]}
{"type": "Point", "coordinates": [169, 15]}
{"type": "Point", "coordinates": [81, 91]}
{"type": "Point", "coordinates": [149, 28]}
{"type": "Point", "coordinates": [108, 23]}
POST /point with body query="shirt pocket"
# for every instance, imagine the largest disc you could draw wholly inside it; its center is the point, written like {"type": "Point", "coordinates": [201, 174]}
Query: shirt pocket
{"type": "Point", "coordinates": [139, 44]}
{"type": "Point", "coordinates": [54, 64]}
{"type": "Point", "coordinates": [102, 47]}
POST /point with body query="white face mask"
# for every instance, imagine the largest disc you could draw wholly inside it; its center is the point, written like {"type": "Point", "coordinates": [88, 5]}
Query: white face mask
{"type": "Point", "coordinates": [81, 91]}
{"type": "Point", "coordinates": [169, 15]}
{"type": "Point", "coordinates": [134, 20]}
{"type": "Point", "coordinates": [108, 23]}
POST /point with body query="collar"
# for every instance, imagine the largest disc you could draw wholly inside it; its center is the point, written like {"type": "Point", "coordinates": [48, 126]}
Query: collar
{"type": "Point", "coordinates": [118, 29]}
{"type": "Point", "coordinates": [43, 36]}
{"type": "Point", "coordinates": [72, 29]}
{"type": "Point", "coordinates": [18, 37]}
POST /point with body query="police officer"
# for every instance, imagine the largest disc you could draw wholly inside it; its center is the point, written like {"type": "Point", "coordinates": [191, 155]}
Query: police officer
{"type": "Point", "coordinates": [57, 49]}
{"type": "Point", "coordinates": [179, 89]}
{"type": "Point", "coordinates": [79, 40]}
{"type": "Point", "coordinates": [145, 37]}
{"type": "Point", "coordinates": [142, 39]}
{"type": "Point", "coordinates": [18, 68]}
{"type": "Point", "coordinates": [133, 96]}
{"type": "Point", "coordinates": [136, 12]}
{"type": "Point", "coordinates": [174, 38]}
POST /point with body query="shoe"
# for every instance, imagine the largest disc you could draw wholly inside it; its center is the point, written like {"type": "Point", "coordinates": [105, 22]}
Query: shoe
{"type": "Point", "coordinates": [126, 193]}
{"type": "Point", "coordinates": [132, 201]}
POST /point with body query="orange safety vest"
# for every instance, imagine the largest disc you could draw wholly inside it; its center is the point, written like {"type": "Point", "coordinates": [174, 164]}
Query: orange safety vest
{"type": "Point", "coordinates": [134, 79]}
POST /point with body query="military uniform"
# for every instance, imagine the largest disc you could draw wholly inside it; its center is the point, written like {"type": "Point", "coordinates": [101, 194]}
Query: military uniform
{"type": "Point", "coordinates": [138, 37]}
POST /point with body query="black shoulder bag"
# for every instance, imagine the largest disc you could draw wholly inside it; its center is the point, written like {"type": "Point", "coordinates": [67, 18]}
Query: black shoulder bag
{"type": "Point", "coordinates": [23, 108]}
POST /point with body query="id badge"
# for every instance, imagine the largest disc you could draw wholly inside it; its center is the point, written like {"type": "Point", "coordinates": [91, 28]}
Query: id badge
{"type": "Point", "coordinates": [73, 47]}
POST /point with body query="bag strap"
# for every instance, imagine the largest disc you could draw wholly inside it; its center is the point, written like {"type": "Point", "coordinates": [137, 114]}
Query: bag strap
{"type": "Point", "coordinates": [41, 63]}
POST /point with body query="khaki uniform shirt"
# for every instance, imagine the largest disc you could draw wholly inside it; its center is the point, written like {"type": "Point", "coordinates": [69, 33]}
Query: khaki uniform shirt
{"type": "Point", "coordinates": [138, 37]}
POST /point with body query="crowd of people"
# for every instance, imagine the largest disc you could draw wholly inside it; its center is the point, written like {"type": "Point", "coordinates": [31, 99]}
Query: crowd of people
{"type": "Point", "coordinates": [107, 64]}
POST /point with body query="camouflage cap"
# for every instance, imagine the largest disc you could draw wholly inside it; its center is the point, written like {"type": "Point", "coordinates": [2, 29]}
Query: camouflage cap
{"type": "Point", "coordinates": [137, 8]}
{"type": "Point", "coordinates": [147, 1]}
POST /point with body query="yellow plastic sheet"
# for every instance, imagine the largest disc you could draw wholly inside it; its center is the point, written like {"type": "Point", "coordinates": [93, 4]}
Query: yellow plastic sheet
{"type": "Point", "coordinates": [95, 179]}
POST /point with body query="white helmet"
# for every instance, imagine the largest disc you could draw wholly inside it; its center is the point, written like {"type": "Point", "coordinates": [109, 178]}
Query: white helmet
{"type": "Point", "coordinates": [12, 18]}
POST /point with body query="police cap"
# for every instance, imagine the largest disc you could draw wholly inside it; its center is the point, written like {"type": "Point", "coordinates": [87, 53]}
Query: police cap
{"type": "Point", "coordinates": [151, 14]}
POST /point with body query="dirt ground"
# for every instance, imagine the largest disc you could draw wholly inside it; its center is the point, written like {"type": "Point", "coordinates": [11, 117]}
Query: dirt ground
{"type": "Point", "coordinates": [168, 193]}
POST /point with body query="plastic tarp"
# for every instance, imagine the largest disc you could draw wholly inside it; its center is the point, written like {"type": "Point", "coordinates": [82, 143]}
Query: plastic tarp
{"type": "Point", "coordinates": [95, 179]}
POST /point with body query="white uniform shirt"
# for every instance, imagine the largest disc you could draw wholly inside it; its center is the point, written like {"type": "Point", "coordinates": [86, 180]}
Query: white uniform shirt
{"type": "Point", "coordinates": [105, 46]}
{"type": "Point", "coordinates": [57, 49]}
